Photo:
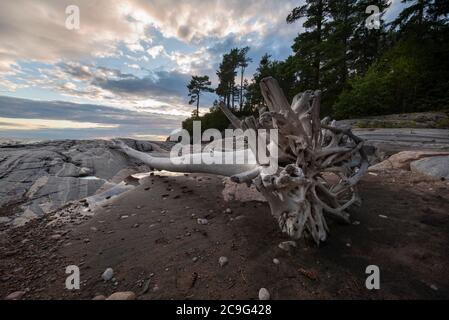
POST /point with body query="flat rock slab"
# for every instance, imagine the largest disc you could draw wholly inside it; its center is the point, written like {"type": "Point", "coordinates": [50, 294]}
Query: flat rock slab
{"type": "Point", "coordinates": [435, 166]}
{"type": "Point", "coordinates": [39, 178]}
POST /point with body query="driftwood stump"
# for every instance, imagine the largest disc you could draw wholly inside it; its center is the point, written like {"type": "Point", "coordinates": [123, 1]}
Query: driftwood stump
{"type": "Point", "coordinates": [319, 164]}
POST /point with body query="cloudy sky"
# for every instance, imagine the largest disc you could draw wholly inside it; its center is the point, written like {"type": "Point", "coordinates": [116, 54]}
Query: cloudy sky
{"type": "Point", "coordinates": [124, 72]}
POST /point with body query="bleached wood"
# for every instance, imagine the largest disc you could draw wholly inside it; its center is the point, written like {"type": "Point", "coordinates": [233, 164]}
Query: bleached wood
{"type": "Point", "coordinates": [320, 164]}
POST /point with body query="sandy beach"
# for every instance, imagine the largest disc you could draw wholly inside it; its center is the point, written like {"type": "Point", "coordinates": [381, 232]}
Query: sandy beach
{"type": "Point", "coordinates": [152, 240]}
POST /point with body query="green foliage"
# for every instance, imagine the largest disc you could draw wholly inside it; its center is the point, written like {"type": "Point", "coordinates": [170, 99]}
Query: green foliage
{"type": "Point", "coordinates": [360, 71]}
{"type": "Point", "coordinates": [443, 124]}
{"type": "Point", "coordinates": [215, 119]}
{"type": "Point", "coordinates": [410, 77]}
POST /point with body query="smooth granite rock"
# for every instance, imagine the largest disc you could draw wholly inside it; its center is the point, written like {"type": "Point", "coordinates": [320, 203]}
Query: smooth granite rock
{"type": "Point", "coordinates": [436, 166]}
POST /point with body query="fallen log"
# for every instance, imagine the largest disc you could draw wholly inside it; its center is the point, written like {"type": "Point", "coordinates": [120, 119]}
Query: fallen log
{"type": "Point", "coordinates": [319, 164]}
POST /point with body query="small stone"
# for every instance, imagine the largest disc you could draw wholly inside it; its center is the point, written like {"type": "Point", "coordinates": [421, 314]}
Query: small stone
{"type": "Point", "coordinates": [99, 297]}
{"type": "Point", "coordinates": [222, 261]}
{"type": "Point", "coordinates": [264, 294]}
{"type": "Point", "coordinates": [86, 240]}
{"type": "Point", "coordinates": [108, 274]}
{"type": "Point", "coordinates": [287, 245]}
{"type": "Point", "coordinates": [128, 295]}
{"type": "Point", "coordinates": [124, 217]}
{"type": "Point", "coordinates": [139, 207]}
{"type": "Point", "coordinates": [135, 226]}
{"type": "Point", "coordinates": [202, 221]}
{"type": "Point", "coordinates": [55, 237]}
{"type": "Point", "coordinates": [94, 229]}
{"type": "Point", "coordinates": [195, 259]}
{"type": "Point", "coordinates": [276, 261]}
{"type": "Point", "coordinates": [434, 287]}
{"type": "Point", "coordinates": [356, 223]}
{"type": "Point", "coordinates": [228, 211]}
{"type": "Point", "coordinates": [15, 295]}
{"type": "Point", "coordinates": [146, 286]}
{"type": "Point", "coordinates": [382, 216]}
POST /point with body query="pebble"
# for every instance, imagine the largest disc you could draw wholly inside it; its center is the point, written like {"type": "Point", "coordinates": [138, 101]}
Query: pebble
{"type": "Point", "coordinates": [434, 287]}
{"type": "Point", "coordinates": [287, 245]}
{"type": "Point", "coordinates": [146, 286]}
{"type": "Point", "coordinates": [222, 261]}
{"type": "Point", "coordinates": [99, 297]}
{"type": "Point", "coordinates": [124, 217]}
{"type": "Point", "coordinates": [135, 226]}
{"type": "Point", "coordinates": [382, 216]}
{"type": "Point", "coordinates": [195, 259]}
{"type": "Point", "coordinates": [56, 237]}
{"type": "Point", "coordinates": [276, 261]}
{"type": "Point", "coordinates": [128, 295]}
{"type": "Point", "coordinates": [108, 274]}
{"type": "Point", "coordinates": [15, 295]}
{"type": "Point", "coordinates": [202, 221]}
{"type": "Point", "coordinates": [264, 294]}
{"type": "Point", "coordinates": [228, 211]}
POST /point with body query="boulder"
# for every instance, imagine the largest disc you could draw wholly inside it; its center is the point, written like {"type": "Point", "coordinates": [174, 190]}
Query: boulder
{"type": "Point", "coordinates": [436, 166]}
{"type": "Point", "coordinates": [402, 160]}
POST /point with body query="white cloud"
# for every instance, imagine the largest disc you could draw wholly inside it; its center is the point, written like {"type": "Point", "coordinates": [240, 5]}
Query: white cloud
{"type": "Point", "coordinates": [155, 51]}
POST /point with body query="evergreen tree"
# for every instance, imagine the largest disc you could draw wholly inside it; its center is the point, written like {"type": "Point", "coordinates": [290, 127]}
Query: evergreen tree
{"type": "Point", "coordinates": [308, 45]}
{"type": "Point", "coordinates": [197, 85]}
{"type": "Point", "coordinates": [368, 44]}
{"type": "Point", "coordinates": [243, 62]}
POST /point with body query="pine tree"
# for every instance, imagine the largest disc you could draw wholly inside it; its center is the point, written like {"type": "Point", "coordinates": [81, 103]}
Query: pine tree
{"type": "Point", "coordinates": [308, 45]}
{"type": "Point", "coordinates": [368, 44]}
{"type": "Point", "coordinates": [243, 61]}
{"type": "Point", "coordinates": [226, 76]}
{"type": "Point", "coordinates": [197, 85]}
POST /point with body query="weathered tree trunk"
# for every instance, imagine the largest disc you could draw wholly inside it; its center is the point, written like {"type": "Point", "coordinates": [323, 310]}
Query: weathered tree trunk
{"type": "Point", "coordinates": [319, 163]}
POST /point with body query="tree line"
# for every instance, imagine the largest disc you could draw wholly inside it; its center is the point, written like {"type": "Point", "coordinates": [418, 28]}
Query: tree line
{"type": "Point", "coordinates": [363, 65]}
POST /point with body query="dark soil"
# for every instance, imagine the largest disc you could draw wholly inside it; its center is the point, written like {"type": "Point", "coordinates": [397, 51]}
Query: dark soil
{"type": "Point", "coordinates": [403, 229]}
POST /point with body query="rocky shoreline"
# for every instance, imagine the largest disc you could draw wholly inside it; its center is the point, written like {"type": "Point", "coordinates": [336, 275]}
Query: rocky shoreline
{"type": "Point", "coordinates": [176, 236]}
